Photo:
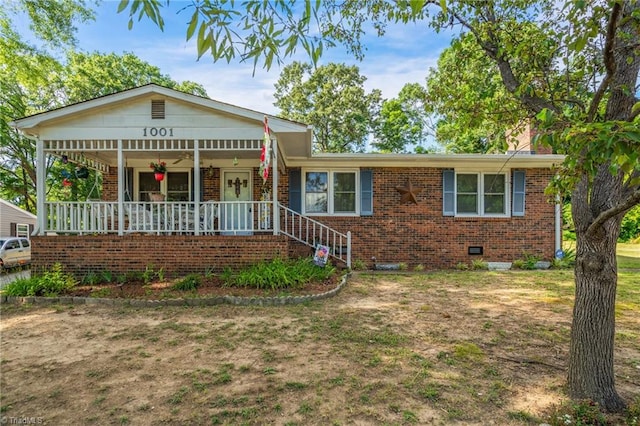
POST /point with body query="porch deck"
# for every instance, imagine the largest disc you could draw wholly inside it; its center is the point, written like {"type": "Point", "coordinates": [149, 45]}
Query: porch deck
{"type": "Point", "coordinates": [180, 237]}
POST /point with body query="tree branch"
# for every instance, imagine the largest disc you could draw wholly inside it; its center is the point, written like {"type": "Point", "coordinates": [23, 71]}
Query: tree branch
{"type": "Point", "coordinates": [629, 202]}
{"type": "Point", "coordinates": [609, 61]}
{"type": "Point", "coordinates": [534, 104]}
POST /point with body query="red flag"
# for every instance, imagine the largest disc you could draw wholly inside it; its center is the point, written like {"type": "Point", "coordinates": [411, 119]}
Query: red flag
{"type": "Point", "coordinates": [265, 154]}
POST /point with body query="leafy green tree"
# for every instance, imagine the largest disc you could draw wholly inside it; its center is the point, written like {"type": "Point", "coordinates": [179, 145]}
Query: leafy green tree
{"type": "Point", "coordinates": [589, 116]}
{"type": "Point", "coordinates": [32, 80]}
{"type": "Point", "coordinates": [332, 99]}
{"type": "Point", "coordinates": [86, 76]}
{"type": "Point", "coordinates": [403, 121]}
{"type": "Point", "coordinates": [466, 93]}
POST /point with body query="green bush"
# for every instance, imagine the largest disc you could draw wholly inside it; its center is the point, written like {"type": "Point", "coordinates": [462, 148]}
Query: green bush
{"type": "Point", "coordinates": [50, 283]}
{"type": "Point", "coordinates": [630, 227]}
{"type": "Point", "coordinates": [278, 274]}
{"type": "Point", "coordinates": [188, 283]}
{"type": "Point", "coordinates": [527, 262]}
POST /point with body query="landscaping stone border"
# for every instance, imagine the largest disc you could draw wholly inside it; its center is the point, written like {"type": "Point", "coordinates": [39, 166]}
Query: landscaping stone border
{"type": "Point", "coordinates": [143, 303]}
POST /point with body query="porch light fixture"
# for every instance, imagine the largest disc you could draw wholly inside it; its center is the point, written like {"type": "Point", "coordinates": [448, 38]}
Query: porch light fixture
{"type": "Point", "coordinates": [210, 171]}
{"type": "Point", "coordinates": [235, 161]}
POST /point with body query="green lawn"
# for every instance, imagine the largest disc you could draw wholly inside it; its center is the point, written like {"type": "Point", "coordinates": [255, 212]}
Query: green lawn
{"type": "Point", "coordinates": [628, 256]}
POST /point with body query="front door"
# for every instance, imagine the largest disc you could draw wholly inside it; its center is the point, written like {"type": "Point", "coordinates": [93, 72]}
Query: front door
{"type": "Point", "coordinates": [236, 215]}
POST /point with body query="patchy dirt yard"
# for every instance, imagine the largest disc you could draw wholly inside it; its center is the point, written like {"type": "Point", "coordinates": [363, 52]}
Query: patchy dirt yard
{"type": "Point", "coordinates": [476, 348]}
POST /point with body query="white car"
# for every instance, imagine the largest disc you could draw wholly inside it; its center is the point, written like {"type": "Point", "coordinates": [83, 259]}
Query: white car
{"type": "Point", "coordinates": [14, 251]}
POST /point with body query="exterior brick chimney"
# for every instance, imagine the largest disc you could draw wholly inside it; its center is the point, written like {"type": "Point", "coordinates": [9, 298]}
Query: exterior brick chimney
{"type": "Point", "coordinates": [520, 143]}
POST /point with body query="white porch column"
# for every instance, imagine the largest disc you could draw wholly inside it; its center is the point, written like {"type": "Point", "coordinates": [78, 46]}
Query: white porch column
{"type": "Point", "coordinates": [196, 185]}
{"type": "Point", "coordinates": [40, 189]}
{"type": "Point", "coordinates": [274, 189]}
{"type": "Point", "coordinates": [121, 173]}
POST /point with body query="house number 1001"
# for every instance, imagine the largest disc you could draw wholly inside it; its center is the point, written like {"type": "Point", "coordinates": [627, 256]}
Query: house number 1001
{"type": "Point", "coordinates": [157, 131]}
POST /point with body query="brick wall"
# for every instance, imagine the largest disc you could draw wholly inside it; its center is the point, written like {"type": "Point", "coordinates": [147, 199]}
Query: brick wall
{"type": "Point", "coordinates": [420, 234]}
{"type": "Point", "coordinates": [177, 254]}
{"type": "Point", "coordinates": [409, 233]}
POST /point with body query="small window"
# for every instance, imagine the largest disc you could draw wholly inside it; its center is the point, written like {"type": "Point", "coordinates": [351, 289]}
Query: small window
{"type": "Point", "coordinates": [475, 194]}
{"type": "Point", "coordinates": [22, 230]}
{"type": "Point", "coordinates": [157, 109]}
{"type": "Point", "coordinates": [25, 243]}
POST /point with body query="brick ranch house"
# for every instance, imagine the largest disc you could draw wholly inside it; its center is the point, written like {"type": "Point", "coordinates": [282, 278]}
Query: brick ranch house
{"type": "Point", "coordinates": [213, 209]}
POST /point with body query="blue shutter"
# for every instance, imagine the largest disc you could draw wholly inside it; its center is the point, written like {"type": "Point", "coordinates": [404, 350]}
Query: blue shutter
{"type": "Point", "coordinates": [448, 193]}
{"type": "Point", "coordinates": [366, 192]}
{"type": "Point", "coordinates": [518, 193]}
{"type": "Point", "coordinates": [295, 190]}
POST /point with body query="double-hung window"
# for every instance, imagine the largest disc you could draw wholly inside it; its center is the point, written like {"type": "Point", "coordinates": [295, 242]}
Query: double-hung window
{"type": "Point", "coordinates": [330, 192]}
{"type": "Point", "coordinates": [476, 194]}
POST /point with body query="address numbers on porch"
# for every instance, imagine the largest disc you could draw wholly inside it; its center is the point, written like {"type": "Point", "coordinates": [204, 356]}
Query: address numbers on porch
{"type": "Point", "coordinates": [157, 131]}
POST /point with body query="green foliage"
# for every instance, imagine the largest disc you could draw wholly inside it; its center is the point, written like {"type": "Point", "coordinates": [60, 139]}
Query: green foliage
{"type": "Point", "coordinates": [189, 283]}
{"type": "Point", "coordinates": [479, 264]}
{"type": "Point", "coordinates": [91, 278]}
{"type": "Point", "coordinates": [279, 274]}
{"type": "Point", "coordinates": [402, 121]}
{"type": "Point", "coordinates": [568, 261]}
{"type": "Point", "coordinates": [332, 99]}
{"type": "Point", "coordinates": [577, 413]}
{"type": "Point", "coordinates": [50, 283]}
{"type": "Point", "coordinates": [461, 266]}
{"type": "Point", "coordinates": [630, 227]}
{"type": "Point", "coordinates": [359, 265]}
{"type": "Point", "coordinates": [633, 412]}
{"type": "Point", "coordinates": [528, 262]}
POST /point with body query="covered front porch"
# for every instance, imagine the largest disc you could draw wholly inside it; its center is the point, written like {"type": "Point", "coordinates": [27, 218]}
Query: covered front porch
{"type": "Point", "coordinates": [220, 169]}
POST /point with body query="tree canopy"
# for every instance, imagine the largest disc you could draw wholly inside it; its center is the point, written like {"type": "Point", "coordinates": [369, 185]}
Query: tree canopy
{"type": "Point", "coordinates": [32, 80]}
{"type": "Point", "coordinates": [333, 100]}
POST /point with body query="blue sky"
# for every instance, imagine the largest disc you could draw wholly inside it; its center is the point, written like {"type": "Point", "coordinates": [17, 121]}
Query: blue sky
{"type": "Point", "coordinates": [403, 55]}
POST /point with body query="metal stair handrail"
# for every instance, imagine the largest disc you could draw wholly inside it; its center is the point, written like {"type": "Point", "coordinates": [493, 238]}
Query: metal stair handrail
{"type": "Point", "coordinates": [313, 233]}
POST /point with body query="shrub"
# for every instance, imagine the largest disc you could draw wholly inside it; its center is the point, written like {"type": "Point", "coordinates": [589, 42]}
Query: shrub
{"type": "Point", "coordinates": [50, 283]}
{"type": "Point", "coordinates": [528, 262]}
{"type": "Point", "coordinates": [278, 274]}
{"type": "Point", "coordinates": [479, 264]}
{"type": "Point", "coordinates": [188, 283]}
{"type": "Point", "coordinates": [359, 265]}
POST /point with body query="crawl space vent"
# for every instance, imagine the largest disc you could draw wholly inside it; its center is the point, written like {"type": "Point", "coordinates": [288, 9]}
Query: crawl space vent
{"type": "Point", "coordinates": [474, 250]}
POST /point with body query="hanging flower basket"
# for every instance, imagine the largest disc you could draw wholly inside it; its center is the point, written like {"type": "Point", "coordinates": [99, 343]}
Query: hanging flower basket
{"type": "Point", "coordinates": [159, 168]}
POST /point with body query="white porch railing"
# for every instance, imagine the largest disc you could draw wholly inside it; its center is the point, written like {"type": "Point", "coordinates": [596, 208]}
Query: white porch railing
{"type": "Point", "coordinates": [232, 218]}
{"type": "Point", "coordinates": [211, 217]}
{"type": "Point", "coordinates": [313, 233]}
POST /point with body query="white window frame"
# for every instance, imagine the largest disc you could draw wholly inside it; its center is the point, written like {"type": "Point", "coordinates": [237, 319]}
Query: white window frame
{"type": "Point", "coordinates": [163, 183]}
{"type": "Point", "coordinates": [481, 193]}
{"type": "Point", "coordinates": [22, 230]}
{"type": "Point", "coordinates": [330, 191]}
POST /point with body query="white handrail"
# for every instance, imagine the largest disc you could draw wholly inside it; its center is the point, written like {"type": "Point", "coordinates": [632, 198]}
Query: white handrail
{"type": "Point", "coordinates": [313, 233]}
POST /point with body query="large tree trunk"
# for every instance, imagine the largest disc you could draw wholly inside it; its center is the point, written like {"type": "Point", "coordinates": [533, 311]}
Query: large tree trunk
{"type": "Point", "coordinates": [591, 373]}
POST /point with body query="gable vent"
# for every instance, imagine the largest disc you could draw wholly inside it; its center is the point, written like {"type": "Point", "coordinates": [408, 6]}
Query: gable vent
{"type": "Point", "coordinates": [157, 109]}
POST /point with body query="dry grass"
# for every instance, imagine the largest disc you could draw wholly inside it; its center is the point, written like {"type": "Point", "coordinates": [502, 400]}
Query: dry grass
{"type": "Point", "coordinates": [470, 348]}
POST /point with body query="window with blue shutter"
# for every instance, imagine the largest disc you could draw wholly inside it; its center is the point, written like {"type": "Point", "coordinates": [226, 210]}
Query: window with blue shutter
{"type": "Point", "coordinates": [448, 193]}
{"type": "Point", "coordinates": [366, 192]}
{"type": "Point", "coordinates": [295, 190]}
{"type": "Point", "coordinates": [518, 193]}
